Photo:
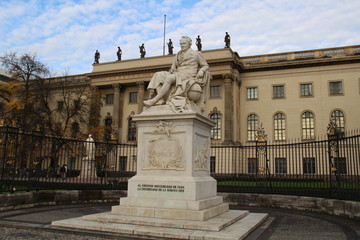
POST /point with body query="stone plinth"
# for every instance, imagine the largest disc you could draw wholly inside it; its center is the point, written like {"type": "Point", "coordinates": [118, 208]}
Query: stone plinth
{"type": "Point", "coordinates": [172, 194]}
{"type": "Point", "coordinates": [88, 169]}
{"type": "Point", "coordinates": [173, 169]}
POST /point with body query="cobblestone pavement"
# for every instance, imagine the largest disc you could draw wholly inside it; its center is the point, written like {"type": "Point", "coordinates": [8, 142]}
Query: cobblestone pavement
{"type": "Point", "coordinates": [34, 223]}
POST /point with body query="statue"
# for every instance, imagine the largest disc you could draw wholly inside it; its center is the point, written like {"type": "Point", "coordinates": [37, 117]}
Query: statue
{"type": "Point", "coordinates": [142, 51]}
{"type": "Point", "coordinates": [227, 40]}
{"type": "Point", "coordinates": [90, 148]}
{"type": "Point", "coordinates": [198, 43]}
{"type": "Point", "coordinates": [97, 57]}
{"type": "Point", "coordinates": [188, 74]}
{"type": "Point", "coordinates": [170, 47]}
{"type": "Point", "coordinates": [119, 53]}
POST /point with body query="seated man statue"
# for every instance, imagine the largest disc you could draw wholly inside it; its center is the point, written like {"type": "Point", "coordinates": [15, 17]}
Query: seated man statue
{"type": "Point", "coordinates": [190, 76]}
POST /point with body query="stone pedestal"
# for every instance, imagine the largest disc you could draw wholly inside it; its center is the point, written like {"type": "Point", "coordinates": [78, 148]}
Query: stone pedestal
{"type": "Point", "coordinates": [173, 168]}
{"type": "Point", "coordinates": [88, 168]}
{"type": "Point", "coordinates": [172, 194]}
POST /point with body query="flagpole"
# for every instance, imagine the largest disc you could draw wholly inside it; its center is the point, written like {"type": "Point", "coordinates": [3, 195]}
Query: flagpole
{"type": "Point", "coordinates": [164, 34]}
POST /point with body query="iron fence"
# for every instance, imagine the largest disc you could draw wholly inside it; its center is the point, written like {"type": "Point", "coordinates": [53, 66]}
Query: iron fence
{"type": "Point", "coordinates": [30, 161]}
{"type": "Point", "coordinates": [328, 167]}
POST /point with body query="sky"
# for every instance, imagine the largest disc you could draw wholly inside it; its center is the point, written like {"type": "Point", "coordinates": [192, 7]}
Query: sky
{"type": "Point", "coordinates": [64, 34]}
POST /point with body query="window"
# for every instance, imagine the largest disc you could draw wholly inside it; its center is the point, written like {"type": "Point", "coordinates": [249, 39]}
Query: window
{"type": "Point", "coordinates": [109, 99]}
{"type": "Point", "coordinates": [75, 128]}
{"type": "Point", "coordinates": [280, 166]}
{"type": "Point", "coordinates": [133, 97]}
{"type": "Point", "coordinates": [122, 163]}
{"type": "Point", "coordinates": [279, 127]}
{"type": "Point", "coordinates": [279, 91]}
{"type": "Point", "coordinates": [338, 117]}
{"type": "Point", "coordinates": [336, 88]}
{"type": "Point", "coordinates": [252, 126]}
{"type": "Point", "coordinates": [215, 132]}
{"type": "Point", "coordinates": [306, 90]}
{"type": "Point", "coordinates": [308, 128]}
{"type": "Point", "coordinates": [215, 91]}
{"type": "Point", "coordinates": [212, 164]}
{"type": "Point", "coordinates": [131, 130]}
{"type": "Point", "coordinates": [77, 104]}
{"type": "Point", "coordinates": [309, 165]}
{"type": "Point", "coordinates": [252, 165]}
{"type": "Point", "coordinates": [340, 165]}
{"type": "Point", "coordinates": [60, 105]}
{"type": "Point", "coordinates": [252, 93]}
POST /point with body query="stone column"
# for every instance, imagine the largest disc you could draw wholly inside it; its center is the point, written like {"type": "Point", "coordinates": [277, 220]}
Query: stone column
{"type": "Point", "coordinates": [141, 91]}
{"type": "Point", "coordinates": [116, 106]}
{"type": "Point", "coordinates": [229, 110]}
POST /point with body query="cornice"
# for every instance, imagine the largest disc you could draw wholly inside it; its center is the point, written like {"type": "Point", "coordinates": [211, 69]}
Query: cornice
{"type": "Point", "coordinates": [310, 58]}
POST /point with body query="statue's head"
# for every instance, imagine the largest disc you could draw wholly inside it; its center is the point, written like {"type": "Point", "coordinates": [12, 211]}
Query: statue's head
{"type": "Point", "coordinates": [185, 43]}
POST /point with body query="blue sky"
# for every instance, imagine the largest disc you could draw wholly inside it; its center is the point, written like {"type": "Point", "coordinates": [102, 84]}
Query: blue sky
{"type": "Point", "coordinates": [65, 33]}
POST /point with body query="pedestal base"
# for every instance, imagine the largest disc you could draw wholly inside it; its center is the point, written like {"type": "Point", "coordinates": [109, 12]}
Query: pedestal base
{"type": "Point", "coordinates": [172, 195]}
{"type": "Point", "coordinates": [88, 170]}
{"type": "Point", "coordinates": [230, 225]}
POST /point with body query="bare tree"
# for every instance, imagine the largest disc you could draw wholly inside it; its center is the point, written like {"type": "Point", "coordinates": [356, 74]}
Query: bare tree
{"type": "Point", "coordinates": [24, 69]}
{"type": "Point", "coordinates": [58, 106]}
{"type": "Point", "coordinates": [63, 104]}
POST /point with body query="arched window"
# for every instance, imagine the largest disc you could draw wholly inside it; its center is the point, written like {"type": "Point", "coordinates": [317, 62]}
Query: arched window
{"type": "Point", "coordinates": [252, 126]}
{"type": "Point", "coordinates": [131, 130]}
{"type": "Point", "coordinates": [216, 130]}
{"type": "Point", "coordinates": [338, 117]}
{"type": "Point", "coordinates": [308, 127]}
{"type": "Point", "coordinates": [75, 128]}
{"type": "Point", "coordinates": [279, 127]}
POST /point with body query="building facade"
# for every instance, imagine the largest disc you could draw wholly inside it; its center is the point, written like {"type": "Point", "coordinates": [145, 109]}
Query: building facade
{"type": "Point", "coordinates": [292, 95]}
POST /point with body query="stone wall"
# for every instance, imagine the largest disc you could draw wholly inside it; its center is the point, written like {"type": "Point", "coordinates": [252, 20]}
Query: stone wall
{"type": "Point", "coordinates": [33, 199]}
{"type": "Point", "coordinates": [349, 209]}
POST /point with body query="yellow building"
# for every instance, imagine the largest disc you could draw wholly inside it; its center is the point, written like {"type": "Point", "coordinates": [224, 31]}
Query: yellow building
{"type": "Point", "coordinates": [292, 94]}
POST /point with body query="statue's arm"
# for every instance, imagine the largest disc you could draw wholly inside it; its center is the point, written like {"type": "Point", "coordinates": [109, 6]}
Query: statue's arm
{"type": "Point", "coordinates": [204, 67]}
{"type": "Point", "coordinates": [174, 64]}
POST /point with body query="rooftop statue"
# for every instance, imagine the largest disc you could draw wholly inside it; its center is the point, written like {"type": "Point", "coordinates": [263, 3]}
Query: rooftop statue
{"type": "Point", "coordinates": [142, 51]}
{"type": "Point", "coordinates": [119, 53]}
{"type": "Point", "coordinates": [198, 43]}
{"type": "Point", "coordinates": [170, 47]}
{"type": "Point", "coordinates": [227, 40]}
{"type": "Point", "coordinates": [96, 57]}
{"type": "Point", "coordinates": [186, 82]}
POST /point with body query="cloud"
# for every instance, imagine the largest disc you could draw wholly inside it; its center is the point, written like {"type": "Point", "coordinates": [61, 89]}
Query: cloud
{"type": "Point", "coordinates": [65, 34]}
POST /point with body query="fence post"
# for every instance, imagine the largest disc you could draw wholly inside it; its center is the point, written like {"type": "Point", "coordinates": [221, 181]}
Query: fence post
{"type": "Point", "coordinates": [3, 141]}
{"type": "Point", "coordinates": [261, 156]}
{"type": "Point", "coordinates": [333, 135]}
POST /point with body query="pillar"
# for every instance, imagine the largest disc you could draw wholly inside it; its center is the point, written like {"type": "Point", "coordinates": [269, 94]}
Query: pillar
{"type": "Point", "coordinates": [229, 110]}
{"type": "Point", "coordinates": [141, 92]}
{"type": "Point", "coordinates": [116, 106]}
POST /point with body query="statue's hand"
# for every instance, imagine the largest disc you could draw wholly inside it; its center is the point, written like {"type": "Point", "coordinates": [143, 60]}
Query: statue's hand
{"type": "Point", "coordinates": [200, 74]}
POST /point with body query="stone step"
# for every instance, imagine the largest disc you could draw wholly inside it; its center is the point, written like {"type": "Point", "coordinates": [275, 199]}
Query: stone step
{"type": "Point", "coordinates": [213, 224]}
{"type": "Point", "coordinates": [169, 213]}
{"type": "Point", "coordinates": [106, 222]}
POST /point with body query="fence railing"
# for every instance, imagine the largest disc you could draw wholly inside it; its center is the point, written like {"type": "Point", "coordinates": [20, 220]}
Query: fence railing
{"type": "Point", "coordinates": [323, 168]}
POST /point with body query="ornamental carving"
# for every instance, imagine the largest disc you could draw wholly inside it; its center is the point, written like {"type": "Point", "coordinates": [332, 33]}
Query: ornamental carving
{"type": "Point", "coordinates": [164, 150]}
{"type": "Point", "coordinates": [203, 154]}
